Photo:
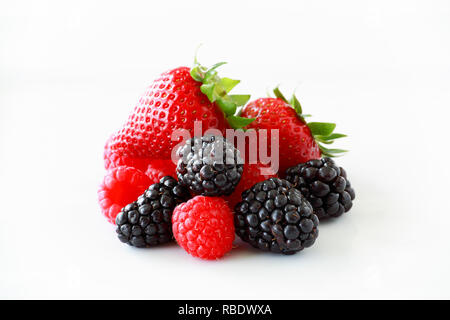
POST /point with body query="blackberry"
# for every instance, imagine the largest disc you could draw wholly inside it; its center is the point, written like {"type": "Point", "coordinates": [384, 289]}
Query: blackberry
{"type": "Point", "coordinates": [148, 221]}
{"type": "Point", "coordinates": [325, 185]}
{"type": "Point", "coordinates": [209, 166]}
{"type": "Point", "coordinates": [275, 216]}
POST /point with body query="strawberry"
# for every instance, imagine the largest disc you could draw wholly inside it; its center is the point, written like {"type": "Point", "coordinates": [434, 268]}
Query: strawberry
{"type": "Point", "coordinates": [299, 141]}
{"type": "Point", "coordinates": [174, 101]}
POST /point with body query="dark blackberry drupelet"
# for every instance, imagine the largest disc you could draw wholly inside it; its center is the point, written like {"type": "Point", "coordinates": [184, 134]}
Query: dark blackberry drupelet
{"type": "Point", "coordinates": [274, 216]}
{"type": "Point", "coordinates": [325, 185]}
{"type": "Point", "coordinates": [148, 221]}
{"type": "Point", "coordinates": [209, 166]}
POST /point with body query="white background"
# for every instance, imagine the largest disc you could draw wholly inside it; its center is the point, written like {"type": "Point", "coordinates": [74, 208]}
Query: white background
{"type": "Point", "coordinates": [70, 73]}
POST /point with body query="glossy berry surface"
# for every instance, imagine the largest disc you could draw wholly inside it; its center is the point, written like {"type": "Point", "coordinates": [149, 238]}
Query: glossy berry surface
{"type": "Point", "coordinates": [296, 143]}
{"type": "Point", "coordinates": [209, 165]}
{"type": "Point", "coordinates": [325, 185]}
{"type": "Point", "coordinates": [274, 216]}
{"type": "Point", "coordinates": [173, 101]}
{"type": "Point", "coordinates": [148, 220]}
{"type": "Point", "coordinates": [204, 227]}
{"type": "Point", "coordinates": [120, 186]}
{"type": "Point", "coordinates": [252, 174]}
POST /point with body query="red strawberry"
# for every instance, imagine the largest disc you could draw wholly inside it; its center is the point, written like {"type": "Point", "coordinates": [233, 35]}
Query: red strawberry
{"type": "Point", "coordinates": [299, 141]}
{"type": "Point", "coordinates": [174, 101]}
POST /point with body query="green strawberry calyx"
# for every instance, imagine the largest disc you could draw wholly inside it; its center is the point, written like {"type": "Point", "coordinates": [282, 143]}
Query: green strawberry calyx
{"type": "Point", "coordinates": [323, 132]}
{"type": "Point", "coordinates": [217, 89]}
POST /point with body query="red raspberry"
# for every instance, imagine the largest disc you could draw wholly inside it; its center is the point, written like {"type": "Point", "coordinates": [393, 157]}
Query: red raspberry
{"type": "Point", "coordinates": [121, 186]}
{"type": "Point", "coordinates": [204, 227]}
{"type": "Point", "coordinates": [250, 176]}
{"type": "Point", "coordinates": [112, 159]}
{"type": "Point", "coordinates": [157, 169]}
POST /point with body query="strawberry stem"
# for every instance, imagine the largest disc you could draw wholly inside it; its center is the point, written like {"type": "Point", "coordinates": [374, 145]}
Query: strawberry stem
{"type": "Point", "coordinates": [323, 132]}
{"type": "Point", "coordinates": [217, 89]}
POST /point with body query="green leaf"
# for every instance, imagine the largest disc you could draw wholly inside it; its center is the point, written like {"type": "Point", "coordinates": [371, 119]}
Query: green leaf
{"type": "Point", "coordinates": [278, 94]}
{"type": "Point", "coordinates": [323, 141]}
{"type": "Point", "coordinates": [218, 64]}
{"type": "Point", "coordinates": [196, 74]}
{"type": "Point", "coordinates": [331, 136]}
{"type": "Point", "coordinates": [331, 152]}
{"type": "Point", "coordinates": [216, 89]}
{"type": "Point", "coordinates": [228, 107]}
{"type": "Point", "coordinates": [336, 150]}
{"type": "Point", "coordinates": [212, 72]}
{"type": "Point", "coordinates": [208, 89]}
{"type": "Point", "coordinates": [296, 104]}
{"type": "Point", "coordinates": [239, 99]}
{"type": "Point", "coordinates": [239, 122]}
{"type": "Point", "coordinates": [228, 83]}
{"type": "Point", "coordinates": [321, 128]}
{"type": "Point", "coordinates": [210, 76]}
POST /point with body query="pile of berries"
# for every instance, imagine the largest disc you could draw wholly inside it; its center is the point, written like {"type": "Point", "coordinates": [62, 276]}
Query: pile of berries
{"type": "Point", "coordinates": [212, 191]}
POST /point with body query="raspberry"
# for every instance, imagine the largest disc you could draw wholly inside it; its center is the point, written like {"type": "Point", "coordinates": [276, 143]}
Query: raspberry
{"type": "Point", "coordinates": [121, 186]}
{"type": "Point", "coordinates": [204, 227]}
{"type": "Point", "coordinates": [112, 159]}
{"type": "Point", "coordinates": [157, 169]}
{"type": "Point", "coordinates": [250, 176]}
